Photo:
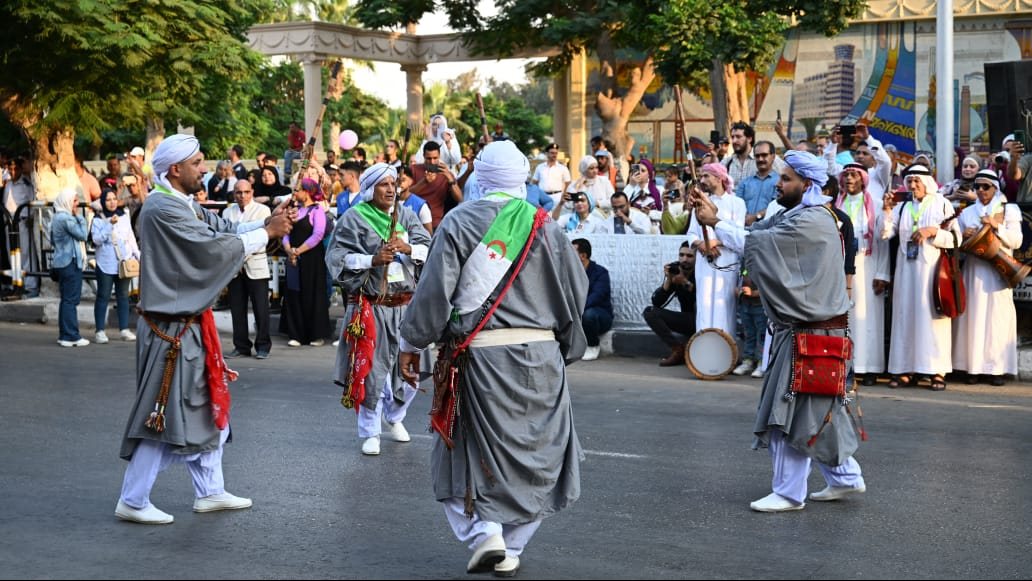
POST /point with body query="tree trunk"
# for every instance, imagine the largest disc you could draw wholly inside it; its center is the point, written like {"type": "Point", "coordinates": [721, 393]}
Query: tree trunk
{"type": "Point", "coordinates": [718, 94]}
{"type": "Point", "coordinates": [155, 135]}
{"type": "Point", "coordinates": [55, 163]}
{"type": "Point", "coordinates": [616, 111]}
{"type": "Point", "coordinates": [730, 97]}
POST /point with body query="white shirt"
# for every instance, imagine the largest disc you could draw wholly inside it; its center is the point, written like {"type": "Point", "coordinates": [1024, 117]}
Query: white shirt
{"type": "Point", "coordinates": [551, 178]}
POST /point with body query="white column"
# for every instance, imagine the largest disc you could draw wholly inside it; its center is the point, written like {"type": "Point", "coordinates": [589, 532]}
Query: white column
{"type": "Point", "coordinates": [944, 91]}
{"type": "Point", "coordinates": [313, 96]}
{"type": "Point", "coordinates": [414, 91]}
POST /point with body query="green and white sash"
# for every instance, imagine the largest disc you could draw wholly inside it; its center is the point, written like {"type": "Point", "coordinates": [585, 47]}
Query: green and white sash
{"type": "Point", "coordinates": [494, 255]}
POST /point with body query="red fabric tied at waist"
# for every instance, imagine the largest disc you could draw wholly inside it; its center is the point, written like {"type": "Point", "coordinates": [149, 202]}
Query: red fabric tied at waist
{"type": "Point", "coordinates": [216, 371]}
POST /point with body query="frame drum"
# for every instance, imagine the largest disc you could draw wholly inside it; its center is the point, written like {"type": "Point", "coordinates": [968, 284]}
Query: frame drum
{"type": "Point", "coordinates": [711, 354]}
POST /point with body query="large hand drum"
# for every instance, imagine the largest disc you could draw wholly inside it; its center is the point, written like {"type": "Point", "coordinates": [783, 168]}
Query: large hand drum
{"type": "Point", "coordinates": [711, 354]}
{"type": "Point", "coordinates": [987, 246]}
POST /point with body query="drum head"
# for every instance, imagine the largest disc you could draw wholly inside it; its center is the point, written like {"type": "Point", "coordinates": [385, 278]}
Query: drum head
{"type": "Point", "coordinates": [711, 354]}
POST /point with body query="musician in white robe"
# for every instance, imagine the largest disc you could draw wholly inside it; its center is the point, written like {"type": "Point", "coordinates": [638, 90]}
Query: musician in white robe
{"type": "Point", "coordinates": [985, 336]}
{"type": "Point", "coordinates": [716, 266]}
{"type": "Point", "coordinates": [921, 340]}
{"type": "Point", "coordinates": [867, 316]}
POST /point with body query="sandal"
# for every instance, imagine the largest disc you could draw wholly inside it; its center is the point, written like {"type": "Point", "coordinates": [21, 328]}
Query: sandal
{"type": "Point", "coordinates": [899, 381]}
{"type": "Point", "coordinates": [938, 383]}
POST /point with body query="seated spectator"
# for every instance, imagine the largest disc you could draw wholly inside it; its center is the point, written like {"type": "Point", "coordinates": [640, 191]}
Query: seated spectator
{"type": "Point", "coordinates": [674, 327]}
{"type": "Point", "coordinates": [269, 187]}
{"type": "Point", "coordinates": [626, 219]}
{"type": "Point", "coordinates": [598, 308]}
{"type": "Point", "coordinates": [220, 186]}
{"type": "Point", "coordinates": [593, 184]}
{"type": "Point", "coordinates": [583, 219]}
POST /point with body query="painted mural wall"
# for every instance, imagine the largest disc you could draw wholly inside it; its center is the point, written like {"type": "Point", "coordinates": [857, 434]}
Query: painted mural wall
{"type": "Point", "coordinates": [881, 73]}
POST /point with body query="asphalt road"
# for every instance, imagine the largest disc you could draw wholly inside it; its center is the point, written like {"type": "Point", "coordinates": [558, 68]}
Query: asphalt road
{"type": "Point", "coordinates": [667, 482]}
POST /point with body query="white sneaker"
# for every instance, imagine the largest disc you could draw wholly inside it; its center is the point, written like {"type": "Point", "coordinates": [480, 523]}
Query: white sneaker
{"type": "Point", "coordinates": [80, 343]}
{"type": "Point", "coordinates": [151, 515]}
{"type": "Point", "coordinates": [836, 492]}
{"type": "Point", "coordinates": [336, 343]}
{"type": "Point", "coordinates": [127, 335]}
{"type": "Point", "coordinates": [398, 432]}
{"type": "Point", "coordinates": [100, 338]}
{"type": "Point", "coordinates": [747, 367]}
{"type": "Point", "coordinates": [507, 567]}
{"type": "Point", "coordinates": [371, 446]}
{"type": "Point", "coordinates": [317, 343]}
{"type": "Point", "coordinates": [757, 373]}
{"type": "Point", "coordinates": [488, 553]}
{"type": "Point", "coordinates": [224, 501]}
{"type": "Point", "coordinates": [293, 343]}
{"type": "Point", "coordinates": [774, 502]}
{"type": "Point", "coordinates": [591, 353]}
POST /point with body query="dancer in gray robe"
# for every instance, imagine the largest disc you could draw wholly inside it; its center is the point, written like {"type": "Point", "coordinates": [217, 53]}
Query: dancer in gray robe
{"type": "Point", "coordinates": [795, 257]}
{"type": "Point", "coordinates": [360, 256]}
{"type": "Point", "coordinates": [516, 457]}
{"type": "Point", "coordinates": [188, 256]}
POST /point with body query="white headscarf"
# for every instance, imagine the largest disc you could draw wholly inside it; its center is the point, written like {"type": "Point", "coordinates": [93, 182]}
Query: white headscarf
{"type": "Point", "coordinates": [438, 136]}
{"type": "Point", "coordinates": [502, 167]}
{"type": "Point", "coordinates": [372, 176]}
{"type": "Point", "coordinates": [586, 162]}
{"type": "Point", "coordinates": [174, 149]}
{"type": "Point", "coordinates": [925, 175]}
{"type": "Point", "coordinates": [65, 201]}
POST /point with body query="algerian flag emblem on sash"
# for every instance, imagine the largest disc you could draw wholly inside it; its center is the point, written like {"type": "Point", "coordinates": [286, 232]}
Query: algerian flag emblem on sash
{"type": "Point", "coordinates": [494, 255]}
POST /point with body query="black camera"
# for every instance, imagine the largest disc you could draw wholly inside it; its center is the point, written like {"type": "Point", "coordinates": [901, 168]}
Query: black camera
{"type": "Point", "coordinates": [674, 268]}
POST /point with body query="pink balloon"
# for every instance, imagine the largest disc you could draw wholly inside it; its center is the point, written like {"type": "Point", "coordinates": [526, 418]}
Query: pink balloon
{"type": "Point", "coordinates": [348, 139]}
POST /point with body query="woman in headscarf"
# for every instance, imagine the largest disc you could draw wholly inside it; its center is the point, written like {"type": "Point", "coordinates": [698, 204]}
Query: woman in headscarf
{"type": "Point", "coordinates": [597, 187]}
{"type": "Point", "coordinates": [305, 317]}
{"type": "Point", "coordinates": [438, 130]}
{"type": "Point", "coordinates": [114, 240]}
{"type": "Point", "coordinates": [67, 234]}
{"type": "Point", "coordinates": [583, 219]}
{"type": "Point", "coordinates": [986, 334]}
{"type": "Point", "coordinates": [871, 276]}
{"type": "Point", "coordinates": [268, 187]}
{"type": "Point", "coordinates": [921, 341]}
{"type": "Point", "coordinates": [961, 191]}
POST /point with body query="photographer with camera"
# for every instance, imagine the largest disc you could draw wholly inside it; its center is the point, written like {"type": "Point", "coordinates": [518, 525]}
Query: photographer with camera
{"type": "Point", "coordinates": [434, 182]}
{"type": "Point", "coordinates": [666, 323]}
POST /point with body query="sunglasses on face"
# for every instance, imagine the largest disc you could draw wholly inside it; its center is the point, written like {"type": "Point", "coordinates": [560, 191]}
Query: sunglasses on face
{"type": "Point", "coordinates": [984, 187]}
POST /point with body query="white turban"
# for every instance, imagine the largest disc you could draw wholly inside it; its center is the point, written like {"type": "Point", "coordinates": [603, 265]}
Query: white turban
{"type": "Point", "coordinates": [586, 162]}
{"type": "Point", "coordinates": [175, 149]}
{"type": "Point", "coordinates": [502, 167]}
{"type": "Point", "coordinates": [372, 176]}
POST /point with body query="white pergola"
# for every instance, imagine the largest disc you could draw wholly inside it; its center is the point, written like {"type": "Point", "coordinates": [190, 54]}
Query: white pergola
{"type": "Point", "coordinates": [315, 43]}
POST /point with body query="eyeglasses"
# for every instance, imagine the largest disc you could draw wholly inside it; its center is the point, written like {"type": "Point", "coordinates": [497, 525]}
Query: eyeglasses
{"type": "Point", "coordinates": [984, 187]}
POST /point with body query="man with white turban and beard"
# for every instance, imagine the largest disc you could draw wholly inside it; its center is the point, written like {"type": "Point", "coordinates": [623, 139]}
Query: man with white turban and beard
{"type": "Point", "coordinates": [181, 412]}
{"type": "Point", "coordinates": [502, 296]}
{"type": "Point", "coordinates": [796, 259]}
{"type": "Point", "coordinates": [377, 269]}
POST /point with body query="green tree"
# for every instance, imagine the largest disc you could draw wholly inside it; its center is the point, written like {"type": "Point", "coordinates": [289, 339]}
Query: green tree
{"type": "Point", "coordinates": [687, 37]}
{"type": "Point", "coordinates": [525, 127]}
{"type": "Point", "coordinates": [95, 65]}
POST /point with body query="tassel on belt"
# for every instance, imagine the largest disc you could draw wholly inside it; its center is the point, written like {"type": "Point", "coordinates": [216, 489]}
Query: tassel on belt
{"type": "Point", "coordinates": [156, 420]}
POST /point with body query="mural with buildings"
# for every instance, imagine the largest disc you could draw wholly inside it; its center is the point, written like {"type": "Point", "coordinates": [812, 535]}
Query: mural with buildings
{"type": "Point", "coordinates": [882, 74]}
